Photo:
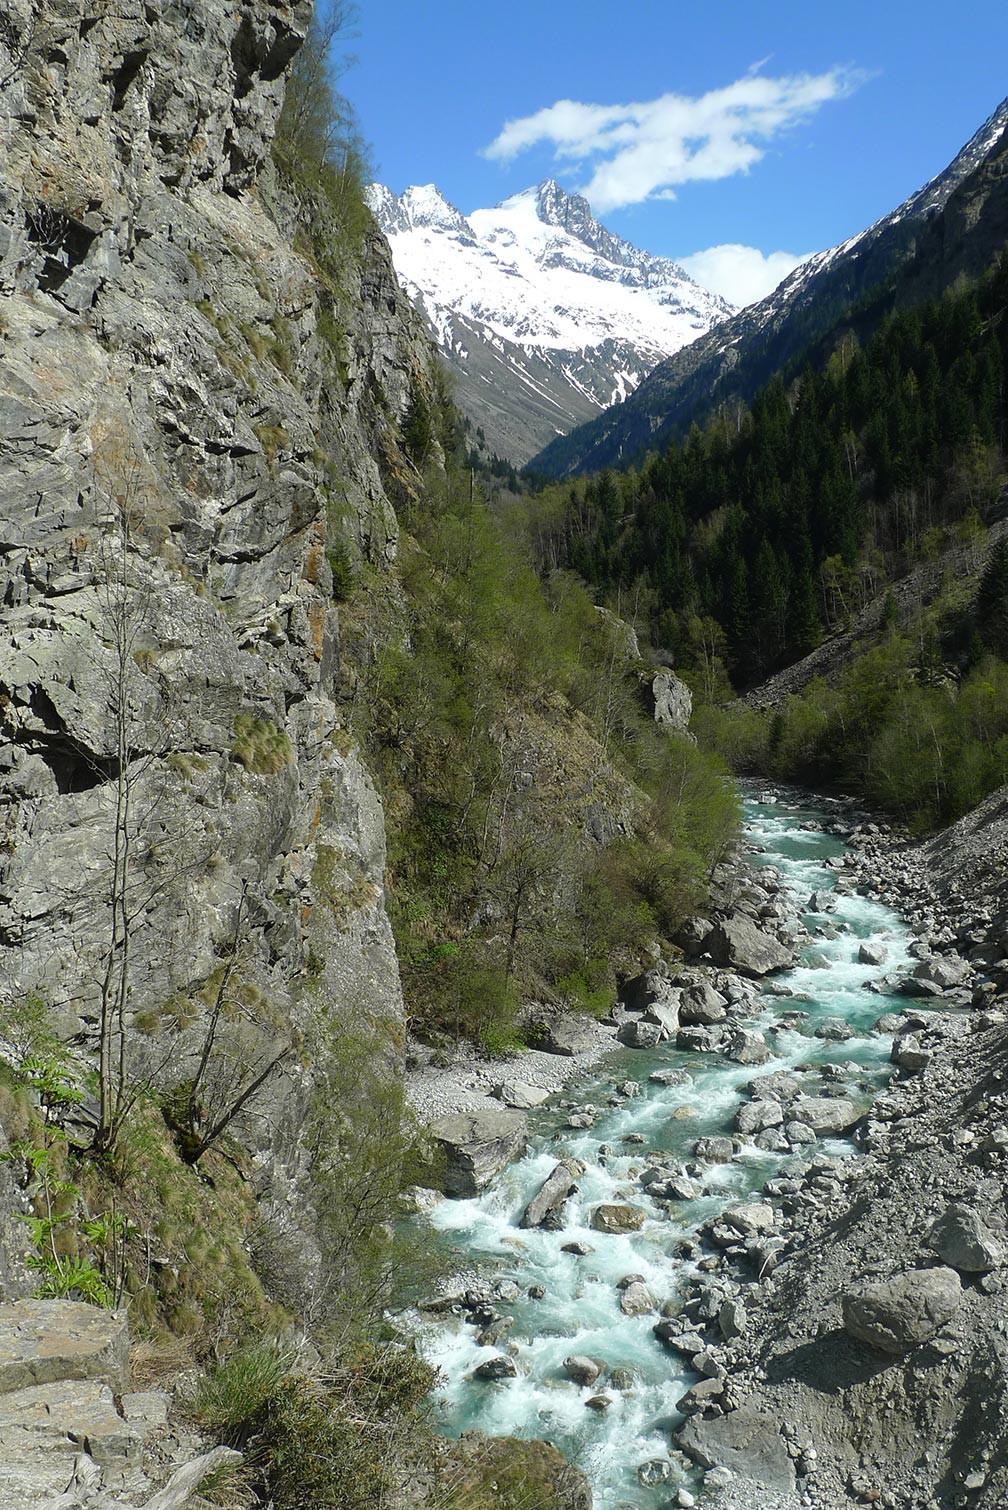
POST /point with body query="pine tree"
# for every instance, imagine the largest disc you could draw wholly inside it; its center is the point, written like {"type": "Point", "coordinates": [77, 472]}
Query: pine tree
{"type": "Point", "coordinates": [992, 601]}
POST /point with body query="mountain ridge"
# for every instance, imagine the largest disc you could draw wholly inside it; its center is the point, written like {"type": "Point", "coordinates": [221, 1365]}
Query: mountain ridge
{"type": "Point", "coordinates": [544, 315]}
{"type": "Point", "coordinates": [729, 363]}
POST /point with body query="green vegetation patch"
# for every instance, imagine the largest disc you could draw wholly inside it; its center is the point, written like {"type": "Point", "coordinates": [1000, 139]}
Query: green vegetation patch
{"type": "Point", "coordinates": [260, 746]}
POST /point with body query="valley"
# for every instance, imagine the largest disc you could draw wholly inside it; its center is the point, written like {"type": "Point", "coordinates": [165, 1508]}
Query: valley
{"type": "Point", "coordinates": [503, 967]}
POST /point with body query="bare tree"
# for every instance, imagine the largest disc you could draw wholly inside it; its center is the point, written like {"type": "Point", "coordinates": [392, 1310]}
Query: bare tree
{"type": "Point", "coordinates": [243, 1044]}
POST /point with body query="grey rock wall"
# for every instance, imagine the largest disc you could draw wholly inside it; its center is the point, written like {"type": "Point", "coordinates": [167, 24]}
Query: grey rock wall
{"type": "Point", "coordinates": [190, 420]}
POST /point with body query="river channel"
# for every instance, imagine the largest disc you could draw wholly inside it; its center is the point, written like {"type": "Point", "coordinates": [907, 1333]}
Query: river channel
{"type": "Point", "coordinates": [579, 1312]}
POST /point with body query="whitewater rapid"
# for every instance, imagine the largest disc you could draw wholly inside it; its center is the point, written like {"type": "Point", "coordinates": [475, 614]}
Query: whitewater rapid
{"type": "Point", "coordinates": [579, 1312]}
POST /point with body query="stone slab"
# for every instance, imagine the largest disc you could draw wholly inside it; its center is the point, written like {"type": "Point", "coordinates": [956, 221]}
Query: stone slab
{"type": "Point", "coordinates": [42, 1341]}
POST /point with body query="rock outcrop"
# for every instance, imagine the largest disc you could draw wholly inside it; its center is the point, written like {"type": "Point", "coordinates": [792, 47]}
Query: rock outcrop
{"type": "Point", "coordinates": [72, 1431]}
{"type": "Point", "coordinates": [477, 1145]}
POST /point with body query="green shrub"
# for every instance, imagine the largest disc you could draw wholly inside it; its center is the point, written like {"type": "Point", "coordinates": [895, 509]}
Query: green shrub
{"type": "Point", "coordinates": [228, 1401]}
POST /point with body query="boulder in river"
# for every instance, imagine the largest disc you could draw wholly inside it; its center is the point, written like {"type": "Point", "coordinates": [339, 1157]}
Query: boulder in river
{"type": "Point", "coordinates": [553, 1192]}
{"type": "Point", "coordinates": [745, 1046]}
{"type": "Point", "coordinates": [897, 1314]}
{"type": "Point", "coordinates": [655, 1471]}
{"type": "Point", "coordinates": [714, 1150]}
{"type": "Point", "coordinates": [835, 1029]}
{"type": "Point", "coordinates": [871, 954]}
{"type": "Point", "coordinates": [617, 1217]}
{"type": "Point", "coordinates": [754, 1116]}
{"type": "Point", "coordinates": [635, 1033]}
{"type": "Point", "coordinates": [477, 1145]}
{"type": "Point", "coordinates": [496, 1368]}
{"type": "Point", "coordinates": [636, 1299]}
{"type": "Point", "coordinates": [582, 1370]}
{"type": "Point", "coordinates": [777, 1086]}
{"type": "Point", "coordinates": [962, 1239]}
{"type": "Point", "coordinates": [740, 945]}
{"type": "Point", "coordinates": [670, 1077]}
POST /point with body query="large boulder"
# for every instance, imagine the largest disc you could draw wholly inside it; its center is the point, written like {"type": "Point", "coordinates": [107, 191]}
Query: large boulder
{"type": "Point", "coordinates": [701, 1006]}
{"type": "Point", "coordinates": [745, 1046]}
{"type": "Point", "coordinates": [738, 944]}
{"type": "Point", "coordinates": [755, 1116]}
{"type": "Point", "coordinates": [829, 1116]}
{"type": "Point", "coordinates": [640, 991]}
{"type": "Point", "coordinates": [477, 1145]}
{"type": "Point", "coordinates": [495, 1369]}
{"type": "Point", "coordinates": [897, 1314]}
{"type": "Point", "coordinates": [617, 1217]}
{"type": "Point", "coordinates": [963, 1240]}
{"type": "Point", "coordinates": [944, 971]}
{"type": "Point", "coordinates": [636, 1299]}
{"type": "Point", "coordinates": [570, 1035]}
{"type": "Point", "coordinates": [636, 1033]}
{"type": "Point", "coordinates": [715, 1149]}
{"type": "Point", "coordinates": [521, 1096]}
{"type": "Point", "coordinates": [582, 1370]}
{"type": "Point", "coordinates": [746, 1441]}
{"type": "Point", "coordinates": [553, 1192]}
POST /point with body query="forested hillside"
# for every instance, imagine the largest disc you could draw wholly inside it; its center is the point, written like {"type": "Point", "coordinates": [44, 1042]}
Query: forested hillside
{"type": "Point", "coordinates": [751, 543]}
{"type": "Point", "coordinates": [776, 522]}
{"type": "Point", "coordinates": [950, 227]}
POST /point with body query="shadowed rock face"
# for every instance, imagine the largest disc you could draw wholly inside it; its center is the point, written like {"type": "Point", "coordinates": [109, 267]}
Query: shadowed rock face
{"type": "Point", "coordinates": [164, 379]}
{"type": "Point", "coordinates": [745, 1441]}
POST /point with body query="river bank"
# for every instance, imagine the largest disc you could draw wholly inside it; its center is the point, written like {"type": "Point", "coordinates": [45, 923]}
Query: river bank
{"type": "Point", "coordinates": [673, 1147]}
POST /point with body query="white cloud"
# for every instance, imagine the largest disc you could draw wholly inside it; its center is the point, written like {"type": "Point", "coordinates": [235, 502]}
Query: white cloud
{"type": "Point", "coordinates": [640, 151]}
{"type": "Point", "coordinates": [741, 274]}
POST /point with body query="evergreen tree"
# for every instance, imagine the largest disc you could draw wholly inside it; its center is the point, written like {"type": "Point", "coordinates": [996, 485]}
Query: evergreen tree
{"type": "Point", "coordinates": [992, 601]}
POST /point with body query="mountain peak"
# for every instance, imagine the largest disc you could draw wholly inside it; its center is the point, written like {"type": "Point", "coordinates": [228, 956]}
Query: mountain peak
{"type": "Point", "coordinates": [544, 314]}
{"type": "Point", "coordinates": [571, 212]}
{"type": "Point", "coordinates": [420, 207]}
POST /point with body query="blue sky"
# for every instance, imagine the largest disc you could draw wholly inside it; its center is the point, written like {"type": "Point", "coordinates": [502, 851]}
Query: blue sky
{"type": "Point", "coordinates": [737, 125]}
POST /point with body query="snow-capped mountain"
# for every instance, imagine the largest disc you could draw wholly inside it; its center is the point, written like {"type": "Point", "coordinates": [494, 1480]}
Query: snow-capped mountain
{"type": "Point", "coordinates": [545, 316]}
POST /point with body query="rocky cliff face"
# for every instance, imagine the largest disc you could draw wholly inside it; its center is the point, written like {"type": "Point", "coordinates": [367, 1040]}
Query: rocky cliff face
{"type": "Point", "coordinates": [194, 425]}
